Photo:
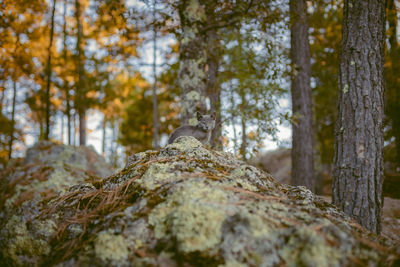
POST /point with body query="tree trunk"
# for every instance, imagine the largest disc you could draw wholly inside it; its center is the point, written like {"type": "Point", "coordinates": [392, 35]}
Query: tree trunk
{"type": "Point", "coordinates": [62, 127]}
{"type": "Point", "coordinates": [103, 142]}
{"type": "Point", "coordinates": [155, 105]}
{"type": "Point", "coordinates": [302, 131]}
{"type": "Point", "coordinates": [393, 86]}
{"type": "Point", "coordinates": [192, 76]}
{"type": "Point", "coordinates": [213, 90]}
{"type": "Point", "coordinates": [48, 73]}
{"type": "Point", "coordinates": [75, 127]}
{"type": "Point", "coordinates": [66, 86]}
{"type": "Point", "coordinates": [232, 118]}
{"type": "Point", "coordinates": [12, 130]}
{"type": "Point", "coordinates": [358, 161]}
{"type": "Point", "coordinates": [80, 90]}
{"type": "Point", "coordinates": [243, 145]}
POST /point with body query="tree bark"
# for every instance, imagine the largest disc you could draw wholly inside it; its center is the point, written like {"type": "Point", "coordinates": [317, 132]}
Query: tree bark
{"type": "Point", "coordinates": [243, 104]}
{"type": "Point", "coordinates": [66, 86]}
{"type": "Point", "coordinates": [12, 130]}
{"type": "Point", "coordinates": [393, 86]}
{"type": "Point", "coordinates": [48, 73]}
{"type": "Point", "coordinates": [103, 143]}
{"type": "Point", "coordinates": [214, 92]}
{"type": "Point", "coordinates": [358, 161]}
{"type": "Point", "coordinates": [302, 131]}
{"type": "Point", "coordinates": [192, 76]}
{"type": "Point", "coordinates": [80, 90]}
{"type": "Point", "coordinates": [155, 104]}
{"type": "Point", "coordinates": [243, 145]}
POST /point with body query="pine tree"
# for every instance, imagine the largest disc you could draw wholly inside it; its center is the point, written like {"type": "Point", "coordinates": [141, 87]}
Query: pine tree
{"type": "Point", "coordinates": [302, 129]}
{"type": "Point", "coordinates": [49, 72]}
{"type": "Point", "coordinates": [358, 161]}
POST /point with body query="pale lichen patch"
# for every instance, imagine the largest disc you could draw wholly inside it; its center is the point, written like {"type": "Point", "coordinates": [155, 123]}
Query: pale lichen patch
{"type": "Point", "coordinates": [110, 247]}
{"type": "Point", "coordinates": [192, 216]}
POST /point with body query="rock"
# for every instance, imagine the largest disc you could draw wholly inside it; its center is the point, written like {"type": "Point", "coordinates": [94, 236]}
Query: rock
{"type": "Point", "coordinates": [185, 205]}
{"type": "Point", "coordinates": [278, 163]}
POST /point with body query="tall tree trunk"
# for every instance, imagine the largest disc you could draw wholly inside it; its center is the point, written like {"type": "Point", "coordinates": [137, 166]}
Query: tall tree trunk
{"type": "Point", "coordinates": [12, 130]}
{"type": "Point", "coordinates": [48, 73]}
{"type": "Point", "coordinates": [75, 127]}
{"type": "Point", "coordinates": [232, 118]}
{"type": "Point", "coordinates": [66, 86]}
{"type": "Point", "coordinates": [103, 141]}
{"type": "Point", "coordinates": [243, 145]}
{"type": "Point", "coordinates": [80, 90]}
{"type": "Point", "coordinates": [192, 74]}
{"type": "Point", "coordinates": [214, 92]}
{"type": "Point", "coordinates": [62, 127]}
{"type": "Point", "coordinates": [302, 131]}
{"type": "Point", "coordinates": [393, 86]}
{"type": "Point", "coordinates": [358, 161]}
{"type": "Point", "coordinates": [243, 103]}
{"type": "Point", "coordinates": [155, 105]}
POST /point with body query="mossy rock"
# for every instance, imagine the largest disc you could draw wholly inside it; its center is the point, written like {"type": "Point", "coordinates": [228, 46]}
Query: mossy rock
{"type": "Point", "coordinates": [186, 205]}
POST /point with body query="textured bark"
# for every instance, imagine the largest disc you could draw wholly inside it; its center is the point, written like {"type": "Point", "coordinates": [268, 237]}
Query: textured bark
{"type": "Point", "coordinates": [243, 145]}
{"type": "Point", "coordinates": [12, 130]}
{"type": "Point", "coordinates": [155, 105]}
{"type": "Point", "coordinates": [66, 87]}
{"type": "Point", "coordinates": [302, 130]}
{"type": "Point", "coordinates": [192, 76]}
{"type": "Point", "coordinates": [48, 73]}
{"type": "Point", "coordinates": [80, 90]}
{"type": "Point", "coordinates": [393, 86]}
{"type": "Point", "coordinates": [213, 89]}
{"type": "Point", "coordinates": [103, 140]}
{"type": "Point", "coordinates": [358, 163]}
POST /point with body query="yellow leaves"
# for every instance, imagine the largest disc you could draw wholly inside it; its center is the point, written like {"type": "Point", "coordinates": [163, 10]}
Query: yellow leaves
{"type": "Point", "coordinates": [252, 135]}
{"type": "Point", "coordinates": [92, 94]}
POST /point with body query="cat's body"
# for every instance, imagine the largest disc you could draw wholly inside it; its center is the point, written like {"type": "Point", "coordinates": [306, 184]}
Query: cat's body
{"type": "Point", "coordinates": [202, 131]}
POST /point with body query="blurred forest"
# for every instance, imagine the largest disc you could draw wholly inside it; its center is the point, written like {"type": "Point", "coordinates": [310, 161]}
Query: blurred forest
{"type": "Point", "coordinates": [85, 71]}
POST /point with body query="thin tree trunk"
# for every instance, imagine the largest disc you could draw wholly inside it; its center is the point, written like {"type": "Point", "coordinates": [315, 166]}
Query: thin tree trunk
{"type": "Point", "coordinates": [12, 130]}
{"type": "Point", "coordinates": [235, 142]}
{"type": "Point", "coordinates": [62, 127]}
{"type": "Point", "coordinates": [48, 73]}
{"type": "Point", "coordinates": [243, 145]}
{"type": "Point", "coordinates": [302, 131]}
{"type": "Point", "coordinates": [393, 86]}
{"type": "Point", "coordinates": [192, 74]}
{"type": "Point", "coordinates": [155, 105]}
{"type": "Point", "coordinates": [243, 103]}
{"type": "Point", "coordinates": [103, 143]}
{"type": "Point", "coordinates": [80, 90]}
{"type": "Point", "coordinates": [3, 93]}
{"type": "Point", "coordinates": [358, 161]}
{"type": "Point", "coordinates": [66, 86]}
{"type": "Point", "coordinates": [74, 117]}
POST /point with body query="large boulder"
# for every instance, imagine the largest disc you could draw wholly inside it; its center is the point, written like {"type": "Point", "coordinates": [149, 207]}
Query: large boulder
{"type": "Point", "coordinates": [185, 205]}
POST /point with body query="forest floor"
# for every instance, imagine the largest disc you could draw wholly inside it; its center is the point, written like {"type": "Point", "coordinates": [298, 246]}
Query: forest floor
{"type": "Point", "coordinates": [390, 217]}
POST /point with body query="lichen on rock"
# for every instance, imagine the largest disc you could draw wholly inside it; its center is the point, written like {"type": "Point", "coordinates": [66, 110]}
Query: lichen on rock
{"type": "Point", "coordinates": [186, 205]}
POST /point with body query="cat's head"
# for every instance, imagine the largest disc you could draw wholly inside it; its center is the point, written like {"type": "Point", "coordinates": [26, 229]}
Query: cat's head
{"type": "Point", "coordinates": [206, 122]}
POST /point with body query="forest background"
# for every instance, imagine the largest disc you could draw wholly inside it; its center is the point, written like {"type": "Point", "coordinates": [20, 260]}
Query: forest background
{"type": "Point", "coordinates": [106, 72]}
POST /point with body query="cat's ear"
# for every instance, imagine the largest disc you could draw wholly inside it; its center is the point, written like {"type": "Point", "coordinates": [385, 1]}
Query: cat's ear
{"type": "Point", "coordinates": [198, 115]}
{"type": "Point", "coordinates": [213, 115]}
